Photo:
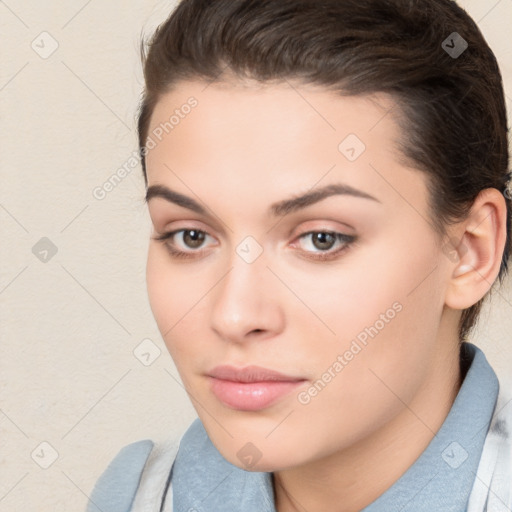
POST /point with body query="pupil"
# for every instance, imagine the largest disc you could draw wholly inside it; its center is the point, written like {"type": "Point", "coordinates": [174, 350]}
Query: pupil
{"type": "Point", "coordinates": [321, 238]}
{"type": "Point", "coordinates": [196, 237]}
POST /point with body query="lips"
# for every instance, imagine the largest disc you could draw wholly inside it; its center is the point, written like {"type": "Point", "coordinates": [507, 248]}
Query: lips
{"type": "Point", "coordinates": [250, 374]}
{"type": "Point", "coordinates": [251, 388]}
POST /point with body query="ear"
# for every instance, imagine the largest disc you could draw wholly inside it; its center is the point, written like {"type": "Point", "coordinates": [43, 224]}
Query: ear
{"type": "Point", "coordinates": [478, 255]}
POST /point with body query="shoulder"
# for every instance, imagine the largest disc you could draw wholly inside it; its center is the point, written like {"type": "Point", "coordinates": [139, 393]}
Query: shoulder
{"type": "Point", "coordinates": [493, 483]}
{"type": "Point", "coordinates": [115, 489]}
{"type": "Point", "coordinates": [502, 417]}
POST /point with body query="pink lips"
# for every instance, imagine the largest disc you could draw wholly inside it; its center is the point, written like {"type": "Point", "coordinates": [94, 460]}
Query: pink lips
{"type": "Point", "coordinates": [251, 388]}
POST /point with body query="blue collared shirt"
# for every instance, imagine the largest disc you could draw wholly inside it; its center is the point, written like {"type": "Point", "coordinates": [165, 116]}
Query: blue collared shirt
{"type": "Point", "coordinates": [440, 479]}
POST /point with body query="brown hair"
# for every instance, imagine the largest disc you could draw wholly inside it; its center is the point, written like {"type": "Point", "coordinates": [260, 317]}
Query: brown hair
{"type": "Point", "coordinates": [454, 120]}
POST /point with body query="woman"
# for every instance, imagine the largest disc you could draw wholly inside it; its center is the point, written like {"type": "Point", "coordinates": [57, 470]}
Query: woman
{"type": "Point", "coordinates": [327, 183]}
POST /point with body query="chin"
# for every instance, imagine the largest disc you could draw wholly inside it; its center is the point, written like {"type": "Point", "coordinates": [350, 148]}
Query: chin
{"type": "Point", "coordinates": [267, 464]}
{"type": "Point", "coordinates": [256, 452]}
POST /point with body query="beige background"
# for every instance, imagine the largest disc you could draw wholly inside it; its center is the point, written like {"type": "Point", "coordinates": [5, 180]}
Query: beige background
{"type": "Point", "coordinates": [69, 327]}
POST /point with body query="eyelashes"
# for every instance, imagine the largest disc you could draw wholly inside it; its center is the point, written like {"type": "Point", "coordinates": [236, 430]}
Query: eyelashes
{"type": "Point", "coordinates": [168, 240]}
{"type": "Point", "coordinates": [197, 237]}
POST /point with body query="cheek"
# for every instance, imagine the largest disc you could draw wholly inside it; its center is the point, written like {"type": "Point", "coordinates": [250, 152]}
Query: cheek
{"type": "Point", "coordinates": [177, 301]}
{"type": "Point", "coordinates": [386, 321]}
{"type": "Point", "coordinates": [396, 313]}
{"type": "Point", "coordinates": [158, 283]}
{"type": "Point", "coordinates": [167, 295]}
{"type": "Point", "coordinates": [385, 310]}
{"type": "Point", "coordinates": [365, 289]}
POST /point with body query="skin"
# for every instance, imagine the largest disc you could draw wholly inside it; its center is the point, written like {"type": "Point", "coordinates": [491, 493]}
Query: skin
{"type": "Point", "coordinates": [243, 148]}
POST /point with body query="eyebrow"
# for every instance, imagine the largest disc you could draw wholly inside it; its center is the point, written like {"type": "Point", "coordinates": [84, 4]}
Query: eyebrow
{"type": "Point", "coordinates": [279, 208]}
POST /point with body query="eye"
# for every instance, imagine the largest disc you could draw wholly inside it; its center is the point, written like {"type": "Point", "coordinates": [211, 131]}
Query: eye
{"type": "Point", "coordinates": [319, 244]}
{"type": "Point", "coordinates": [190, 239]}
{"type": "Point", "coordinates": [324, 241]}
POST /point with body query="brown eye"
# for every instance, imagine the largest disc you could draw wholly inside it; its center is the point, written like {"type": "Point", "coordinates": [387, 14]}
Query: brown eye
{"type": "Point", "coordinates": [323, 240]}
{"type": "Point", "coordinates": [193, 238]}
{"type": "Point", "coordinates": [324, 245]}
{"type": "Point", "coordinates": [189, 239]}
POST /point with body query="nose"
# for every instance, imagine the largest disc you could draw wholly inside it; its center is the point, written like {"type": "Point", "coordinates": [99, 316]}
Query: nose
{"type": "Point", "coordinates": [246, 303]}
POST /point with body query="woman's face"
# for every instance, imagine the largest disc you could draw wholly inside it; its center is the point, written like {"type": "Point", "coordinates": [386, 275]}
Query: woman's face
{"type": "Point", "coordinates": [342, 292]}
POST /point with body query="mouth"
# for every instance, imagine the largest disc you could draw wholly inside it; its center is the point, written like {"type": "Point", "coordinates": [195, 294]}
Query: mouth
{"type": "Point", "coordinates": [251, 388]}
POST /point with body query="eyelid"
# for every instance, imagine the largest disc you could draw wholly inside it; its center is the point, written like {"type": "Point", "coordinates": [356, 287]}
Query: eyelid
{"type": "Point", "coordinates": [322, 225]}
{"type": "Point", "coordinates": [162, 216]}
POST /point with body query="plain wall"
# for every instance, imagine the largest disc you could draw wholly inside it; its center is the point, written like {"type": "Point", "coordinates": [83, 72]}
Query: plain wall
{"type": "Point", "coordinates": [70, 325]}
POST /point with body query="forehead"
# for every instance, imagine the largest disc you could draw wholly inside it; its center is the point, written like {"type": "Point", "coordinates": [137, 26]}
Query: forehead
{"type": "Point", "coordinates": [267, 137]}
{"type": "Point", "coordinates": [270, 119]}
{"type": "Point", "coordinates": [256, 104]}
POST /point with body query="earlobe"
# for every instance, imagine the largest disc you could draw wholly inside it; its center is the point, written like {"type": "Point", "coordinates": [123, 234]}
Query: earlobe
{"type": "Point", "coordinates": [480, 251]}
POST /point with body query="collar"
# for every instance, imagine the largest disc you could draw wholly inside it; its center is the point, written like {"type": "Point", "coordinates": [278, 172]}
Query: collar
{"type": "Point", "coordinates": [440, 479]}
{"type": "Point", "coordinates": [443, 475]}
